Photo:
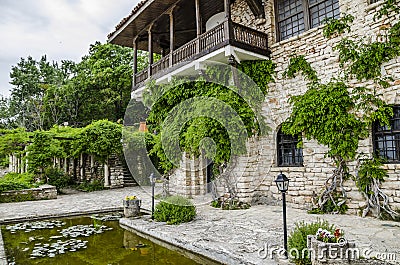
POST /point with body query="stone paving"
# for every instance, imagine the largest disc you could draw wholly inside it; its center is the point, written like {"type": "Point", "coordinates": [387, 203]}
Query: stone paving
{"type": "Point", "coordinates": [230, 237]}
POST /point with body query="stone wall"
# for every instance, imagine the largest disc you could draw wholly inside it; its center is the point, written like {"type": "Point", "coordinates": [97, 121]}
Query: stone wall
{"type": "Point", "coordinates": [190, 178]}
{"type": "Point", "coordinates": [306, 182]}
{"type": "Point", "coordinates": [45, 192]}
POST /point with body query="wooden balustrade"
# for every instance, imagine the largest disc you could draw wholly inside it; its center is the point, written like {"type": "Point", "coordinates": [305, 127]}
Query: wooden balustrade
{"type": "Point", "coordinates": [185, 52]}
{"type": "Point", "coordinates": [162, 64]}
{"type": "Point", "coordinates": [250, 36]}
{"type": "Point", "coordinates": [141, 76]}
{"type": "Point", "coordinates": [213, 37]}
{"type": "Point", "coordinates": [227, 32]}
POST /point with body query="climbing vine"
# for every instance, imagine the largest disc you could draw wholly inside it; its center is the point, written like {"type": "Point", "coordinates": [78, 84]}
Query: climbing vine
{"type": "Point", "coordinates": [101, 139]}
{"type": "Point", "coordinates": [204, 132]}
{"type": "Point", "coordinates": [337, 26]}
{"type": "Point", "coordinates": [299, 64]}
{"type": "Point", "coordinates": [338, 115]}
{"type": "Point", "coordinates": [389, 7]}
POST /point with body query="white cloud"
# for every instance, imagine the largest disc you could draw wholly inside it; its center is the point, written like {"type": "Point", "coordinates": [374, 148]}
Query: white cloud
{"type": "Point", "coordinates": [61, 29]}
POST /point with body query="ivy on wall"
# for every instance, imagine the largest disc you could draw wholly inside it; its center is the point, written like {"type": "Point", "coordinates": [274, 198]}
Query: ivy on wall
{"type": "Point", "coordinates": [338, 115]}
{"type": "Point", "coordinates": [163, 99]}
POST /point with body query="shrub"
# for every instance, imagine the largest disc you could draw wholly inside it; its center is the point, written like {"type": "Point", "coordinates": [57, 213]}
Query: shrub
{"type": "Point", "coordinates": [15, 181]}
{"type": "Point", "coordinates": [175, 210]}
{"type": "Point", "coordinates": [90, 186]}
{"type": "Point", "coordinates": [298, 238]}
{"type": "Point", "coordinates": [57, 178]}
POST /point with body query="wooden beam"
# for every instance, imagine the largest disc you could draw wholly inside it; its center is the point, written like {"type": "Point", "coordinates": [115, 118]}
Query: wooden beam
{"type": "Point", "coordinates": [257, 8]}
{"type": "Point", "coordinates": [198, 17]}
{"type": "Point", "coordinates": [151, 57]}
{"type": "Point", "coordinates": [171, 37]}
{"type": "Point", "coordinates": [135, 59]}
{"type": "Point", "coordinates": [227, 8]}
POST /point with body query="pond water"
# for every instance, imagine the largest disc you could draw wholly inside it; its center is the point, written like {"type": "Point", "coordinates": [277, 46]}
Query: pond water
{"type": "Point", "coordinates": [84, 240]}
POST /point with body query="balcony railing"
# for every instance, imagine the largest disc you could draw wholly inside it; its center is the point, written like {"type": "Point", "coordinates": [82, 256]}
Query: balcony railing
{"type": "Point", "coordinates": [227, 33]}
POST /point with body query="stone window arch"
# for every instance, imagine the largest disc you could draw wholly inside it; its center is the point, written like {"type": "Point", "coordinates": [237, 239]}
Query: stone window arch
{"type": "Point", "coordinates": [288, 153]}
{"type": "Point", "coordinates": [293, 17]}
{"type": "Point", "coordinates": [387, 138]}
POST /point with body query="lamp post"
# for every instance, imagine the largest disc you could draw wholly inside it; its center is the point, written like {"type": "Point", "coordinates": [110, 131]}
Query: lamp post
{"type": "Point", "coordinates": [282, 182]}
{"type": "Point", "coordinates": [153, 183]}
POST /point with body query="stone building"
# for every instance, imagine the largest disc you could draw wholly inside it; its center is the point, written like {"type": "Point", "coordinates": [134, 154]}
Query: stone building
{"type": "Point", "coordinates": [187, 33]}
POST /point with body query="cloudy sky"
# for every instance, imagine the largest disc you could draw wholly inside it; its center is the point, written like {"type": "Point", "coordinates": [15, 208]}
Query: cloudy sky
{"type": "Point", "coordinates": [61, 29]}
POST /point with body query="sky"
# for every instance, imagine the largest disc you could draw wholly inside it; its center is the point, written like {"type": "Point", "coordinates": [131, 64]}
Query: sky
{"type": "Point", "coordinates": [60, 29]}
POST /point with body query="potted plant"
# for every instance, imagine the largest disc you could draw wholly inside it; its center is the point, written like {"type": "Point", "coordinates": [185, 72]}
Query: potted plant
{"type": "Point", "coordinates": [131, 206]}
{"type": "Point", "coordinates": [330, 247]}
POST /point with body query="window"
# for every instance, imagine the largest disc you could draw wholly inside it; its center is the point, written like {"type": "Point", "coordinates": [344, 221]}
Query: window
{"type": "Point", "coordinates": [288, 153]}
{"type": "Point", "coordinates": [387, 138]}
{"type": "Point", "coordinates": [297, 16]}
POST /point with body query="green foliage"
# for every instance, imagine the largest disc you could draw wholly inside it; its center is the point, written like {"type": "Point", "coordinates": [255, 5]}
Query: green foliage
{"type": "Point", "coordinates": [175, 210]}
{"type": "Point", "coordinates": [330, 207]}
{"type": "Point", "coordinates": [261, 72]}
{"type": "Point", "coordinates": [337, 26]}
{"type": "Point", "coordinates": [204, 104]}
{"type": "Point", "coordinates": [229, 204]}
{"type": "Point", "coordinates": [323, 113]}
{"type": "Point", "coordinates": [12, 142]}
{"type": "Point", "coordinates": [57, 178]}
{"type": "Point", "coordinates": [28, 196]}
{"type": "Point", "coordinates": [14, 181]}
{"type": "Point", "coordinates": [370, 170]}
{"type": "Point", "coordinates": [298, 238]}
{"type": "Point", "coordinates": [49, 93]}
{"type": "Point", "coordinates": [42, 151]}
{"type": "Point", "coordinates": [389, 7]}
{"type": "Point", "coordinates": [90, 186]}
{"type": "Point", "coordinates": [101, 138]}
{"type": "Point", "coordinates": [299, 64]}
{"type": "Point", "coordinates": [364, 61]}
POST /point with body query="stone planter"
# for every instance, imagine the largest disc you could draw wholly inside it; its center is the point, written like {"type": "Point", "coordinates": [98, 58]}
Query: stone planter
{"type": "Point", "coordinates": [131, 208]}
{"type": "Point", "coordinates": [330, 253]}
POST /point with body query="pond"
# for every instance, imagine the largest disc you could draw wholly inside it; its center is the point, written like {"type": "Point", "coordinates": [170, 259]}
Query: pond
{"type": "Point", "coordinates": [85, 240]}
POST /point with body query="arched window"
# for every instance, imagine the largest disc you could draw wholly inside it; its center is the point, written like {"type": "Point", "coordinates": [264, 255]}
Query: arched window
{"type": "Point", "coordinates": [387, 138]}
{"type": "Point", "coordinates": [288, 153]}
{"type": "Point", "coordinates": [296, 16]}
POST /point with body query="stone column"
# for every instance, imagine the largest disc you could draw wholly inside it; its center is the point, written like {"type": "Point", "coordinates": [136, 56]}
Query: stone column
{"type": "Point", "coordinates": [81, 167]}
{"type": "Point", "coordinates": [10, 163]}
{"type": "Point", "coordinates": [106, 175]}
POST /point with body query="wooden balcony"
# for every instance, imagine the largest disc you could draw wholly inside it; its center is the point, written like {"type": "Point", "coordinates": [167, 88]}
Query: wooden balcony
{"type": "Point", "coordinates": [226, 33]}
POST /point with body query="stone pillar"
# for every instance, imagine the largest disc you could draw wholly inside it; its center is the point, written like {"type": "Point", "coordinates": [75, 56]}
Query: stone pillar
{"type": "Point", "coordinates": [10, 163]}
{"type": "Point", "coordinates": [106, 175]}
{"type": "Point", "coordinates": [92, 165]}
{"type": "Point", "coordinates": [26, 159]}
{"type": "Point", "coordinates": [66, 166]}
{"type": "Point", "coordinates": [81, 167]}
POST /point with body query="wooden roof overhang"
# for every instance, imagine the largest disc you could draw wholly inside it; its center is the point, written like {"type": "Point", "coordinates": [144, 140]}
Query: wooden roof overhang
{"type": "Point", "coordinates": [156, 13]}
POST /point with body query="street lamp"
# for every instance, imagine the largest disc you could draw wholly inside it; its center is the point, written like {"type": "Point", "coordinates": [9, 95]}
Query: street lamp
{"type": "Point", "coordinates": [282, 182]}
{"type": "Point", "coordinates": [153, 184]}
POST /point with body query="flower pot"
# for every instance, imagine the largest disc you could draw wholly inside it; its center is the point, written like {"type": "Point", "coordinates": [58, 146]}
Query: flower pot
{"type": "Point", "coordinates": [330, 253]}
{"type": "Point", "coordinates": [131, 208]}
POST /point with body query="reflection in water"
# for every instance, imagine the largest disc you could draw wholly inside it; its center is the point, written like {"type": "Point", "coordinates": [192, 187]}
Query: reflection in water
{"type": "Point", "coordinates": [108, 246]}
